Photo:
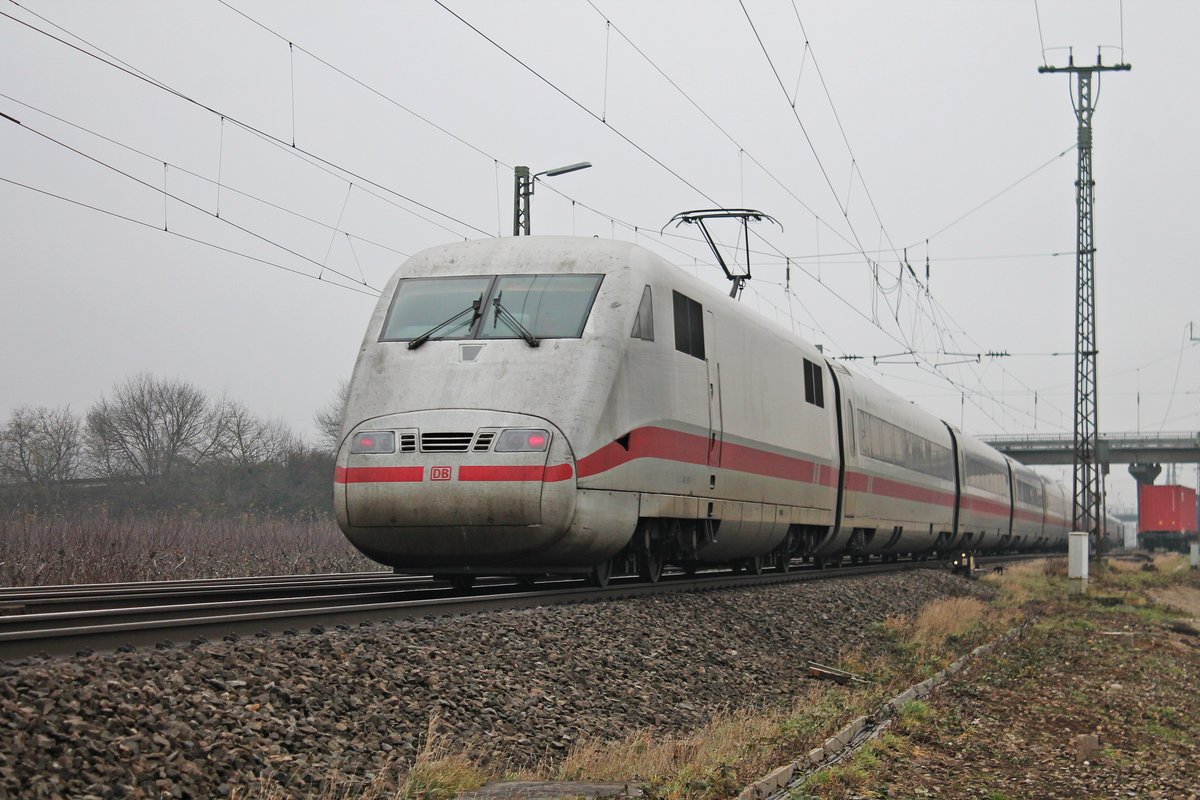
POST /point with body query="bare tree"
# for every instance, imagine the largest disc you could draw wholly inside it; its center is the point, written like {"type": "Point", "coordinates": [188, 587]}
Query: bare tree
{"type": "Point", "coordinates": [247, 439]}
{"type": "Point", "coordinates": [329, 419]}
{"type": "Point", "coordinates": [40, 446]}
{"type": "Point", "coordinates": [151, 426]}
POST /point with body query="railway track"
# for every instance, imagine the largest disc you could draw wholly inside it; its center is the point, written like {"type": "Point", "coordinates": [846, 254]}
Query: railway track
{"type": "Point", "coordinates": [64, 620]}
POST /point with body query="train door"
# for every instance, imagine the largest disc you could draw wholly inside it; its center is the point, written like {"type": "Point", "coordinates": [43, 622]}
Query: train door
{"type": "Point", "coordinates": [715, 420]}
{"type": "Point", "coordinates": [844, 415]}
{"type": "Point", "coordinates": [1012, 505]}
{"type": "Point", "coordinates": [958, 486]}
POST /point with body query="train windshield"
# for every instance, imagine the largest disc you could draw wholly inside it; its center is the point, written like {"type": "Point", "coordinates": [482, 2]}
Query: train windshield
{"type": "Point", "coordinates": [546, 306]}
{"type": "Point", "coordinates": [421, 304]}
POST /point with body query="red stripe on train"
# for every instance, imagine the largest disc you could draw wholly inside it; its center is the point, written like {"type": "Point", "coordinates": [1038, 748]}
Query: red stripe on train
{"type": "Point", "coordinates": [688, 448]}
{"type": "Point", "coordinates": [554, 474]}
{"type": "Point", "coordinates": [379, 475]}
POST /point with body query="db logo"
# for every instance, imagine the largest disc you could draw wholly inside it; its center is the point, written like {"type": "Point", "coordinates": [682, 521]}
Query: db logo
{"type": "Point", "coordinates": [439, 473]}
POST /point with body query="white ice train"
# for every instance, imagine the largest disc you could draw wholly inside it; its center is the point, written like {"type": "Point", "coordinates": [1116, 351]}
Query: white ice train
{"type": "Point", "coordinates": [536, 405]}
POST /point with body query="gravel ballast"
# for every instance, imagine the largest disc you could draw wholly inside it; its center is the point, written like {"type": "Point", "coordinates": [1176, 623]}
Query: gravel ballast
{"type": "Point", "coordinates": [518, 687]}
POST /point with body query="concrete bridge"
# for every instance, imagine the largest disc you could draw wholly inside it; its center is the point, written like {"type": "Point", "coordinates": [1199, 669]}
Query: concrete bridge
{"type": "Point", "coordinates": [1112, 448]}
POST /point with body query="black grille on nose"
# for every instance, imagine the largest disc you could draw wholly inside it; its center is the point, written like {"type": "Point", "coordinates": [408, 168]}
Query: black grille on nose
{"type": "Point", "coordinates": [483, 441]}
{"type": "Point", "coordinates": [446, 442]}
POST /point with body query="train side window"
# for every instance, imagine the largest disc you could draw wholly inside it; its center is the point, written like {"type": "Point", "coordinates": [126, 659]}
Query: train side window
{"type": "Point", "coordinates": [643, 323]}
{"type": "Point", "coordinates": [814, 384]}
{"type": "Point", "coordinates": [689, 325]}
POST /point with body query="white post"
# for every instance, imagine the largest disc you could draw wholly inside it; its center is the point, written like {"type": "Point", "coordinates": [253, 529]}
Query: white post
{"type": "Point", "coordinates": [1077, 562]}
{"type": "Point", "coordinates": [1195, 555]}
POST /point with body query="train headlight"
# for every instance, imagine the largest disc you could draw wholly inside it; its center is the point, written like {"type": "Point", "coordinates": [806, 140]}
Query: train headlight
{"type": "Point", "coordinates": [374, 442]}
{"type": "Point", "coordinates": [523, 440]}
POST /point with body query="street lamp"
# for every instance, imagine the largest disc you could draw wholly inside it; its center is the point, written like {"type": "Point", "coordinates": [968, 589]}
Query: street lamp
{"type": "Point", "coordinates": [523, 192]}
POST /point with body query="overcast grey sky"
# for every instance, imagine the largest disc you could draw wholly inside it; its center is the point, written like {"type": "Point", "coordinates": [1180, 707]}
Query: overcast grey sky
{"type": "Point", "coordinates": [864, 128]}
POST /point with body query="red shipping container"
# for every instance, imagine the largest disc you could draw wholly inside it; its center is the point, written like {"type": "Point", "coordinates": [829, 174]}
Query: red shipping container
{"type": "Point", "coordinates": [1167, 509]}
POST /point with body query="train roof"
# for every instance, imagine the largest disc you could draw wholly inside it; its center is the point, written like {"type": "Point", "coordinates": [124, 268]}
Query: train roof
{"type": "Point", "coordinates": [526, 254]}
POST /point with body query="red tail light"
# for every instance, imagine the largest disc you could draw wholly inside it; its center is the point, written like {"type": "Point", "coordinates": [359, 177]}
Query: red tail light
{"type": "Point", "coordinates": [373, 442]}
{"type": "Point", "coordinates": [523, 440]}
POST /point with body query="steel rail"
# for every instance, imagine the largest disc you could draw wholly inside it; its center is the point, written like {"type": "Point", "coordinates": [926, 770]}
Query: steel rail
{"type": "Point", "coordinates": [133, 587]}
{"type": "Point", "coordinates": [99, 630]}
{"type": "Point", "coordinates": [102, 596]}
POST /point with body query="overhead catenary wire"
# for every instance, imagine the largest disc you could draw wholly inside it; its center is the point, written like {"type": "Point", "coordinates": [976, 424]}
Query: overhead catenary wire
{"type": "Point", "coordinates": [108, 212]}
{"type": "Point", "coordinates": [139, 75]}
{"type": "Point", "coordinates": [995, 196]}
{"type": "Point", "coordinates": [854, 163]}
{"type": "Point", "coordinates": [624, 137]}
{"type": "Point", "coordinates": [182, 200]}
{"type": "Point", "coordinates": [709, 117]}
{"type": "Point", "coordinates": [197, 176]}
{"type": "Point", "coordinates": [357, 81]}
{"type": "Point", "coordinates": [842, 205]}
{"type": "Point", "coordinates": [567, 96]}
{"type": "Point", "coordinates": [496, 161]}
{"type": "Point", "coordinates": [1041, 39]}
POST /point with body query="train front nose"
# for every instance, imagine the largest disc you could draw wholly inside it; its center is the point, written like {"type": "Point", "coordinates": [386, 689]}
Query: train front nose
{"type": "Point", "coordinates": [454, 490]}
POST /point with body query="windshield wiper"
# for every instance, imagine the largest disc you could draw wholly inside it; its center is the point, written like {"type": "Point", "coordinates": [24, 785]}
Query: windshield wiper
{"type": "Point", "coordinates": [511, 321]}
{"type": "Point", "coordinates": [473, 310]}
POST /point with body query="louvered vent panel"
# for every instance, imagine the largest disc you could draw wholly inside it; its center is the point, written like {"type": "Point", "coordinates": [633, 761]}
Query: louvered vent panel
{"type": "Point", "coordinates": [408, 443]}
{"type": "Point", "coordinates": [446, 442]}
{"type": "Point", "coordinates": [483, 442]}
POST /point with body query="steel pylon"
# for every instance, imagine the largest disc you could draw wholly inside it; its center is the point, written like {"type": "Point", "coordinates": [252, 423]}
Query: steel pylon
{"type": "Point", "coordinates": [1087, 486]}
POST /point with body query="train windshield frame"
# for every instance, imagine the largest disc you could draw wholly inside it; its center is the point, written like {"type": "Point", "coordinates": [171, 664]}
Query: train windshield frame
{"type": "Point", "coordinates": [555, 306]}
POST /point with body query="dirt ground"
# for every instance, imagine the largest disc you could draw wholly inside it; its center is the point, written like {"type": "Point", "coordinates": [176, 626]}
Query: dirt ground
{"type": "Point", "coordinates": [1122, 664]}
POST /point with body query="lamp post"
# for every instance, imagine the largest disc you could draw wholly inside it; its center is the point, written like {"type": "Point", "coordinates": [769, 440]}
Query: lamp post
{"type": "Point", "coordinates": [523, 192]}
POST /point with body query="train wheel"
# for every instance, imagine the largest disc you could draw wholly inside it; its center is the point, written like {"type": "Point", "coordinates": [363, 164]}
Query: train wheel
{"type": "Point", "coordinates": [755, 565]}
{"type": "Point", "coordinates": [650, 565]}
{"type": "Point", "coordinates": [818, 562]}
{"type": "Point", "coordinates": [527, 581]}
{"type": "Point", "coordinates": [782, 563]}
{"type": "Point", "coordinates": [600, 574]}
{"type": "Point", "coordinates": [462, 582]}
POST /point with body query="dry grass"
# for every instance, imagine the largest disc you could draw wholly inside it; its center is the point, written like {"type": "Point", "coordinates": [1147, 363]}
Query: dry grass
{"type": "Point", "coordinates": [740, 745]}
{"type": "Point", "coordinates": [1171, 563]}
{"type": "Point", "coordinates": [942, 619]}
{"type": "Point", "coordinates": [439, 772]}
{"type": "Point", "coordinates": [1185, 599]}
{"type": "Point", "coordinates": [730, 741]}
{"type": "Point", "coordinates": [1025, 581]}
{"type": "Point", "coordinates": [101, 548]}
{"type": "Point", "coordinates": [733, 749]}
{"type": "Point", "coordinates": [1055, 567]}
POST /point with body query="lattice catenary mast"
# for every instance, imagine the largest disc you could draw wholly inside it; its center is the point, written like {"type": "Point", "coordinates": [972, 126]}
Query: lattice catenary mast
{"type": "Point", "coordinates": [1087, 486]}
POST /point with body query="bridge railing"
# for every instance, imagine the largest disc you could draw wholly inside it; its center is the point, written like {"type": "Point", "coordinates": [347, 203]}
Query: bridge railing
{"type": "Point", "coordinates": [1064, 440]}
